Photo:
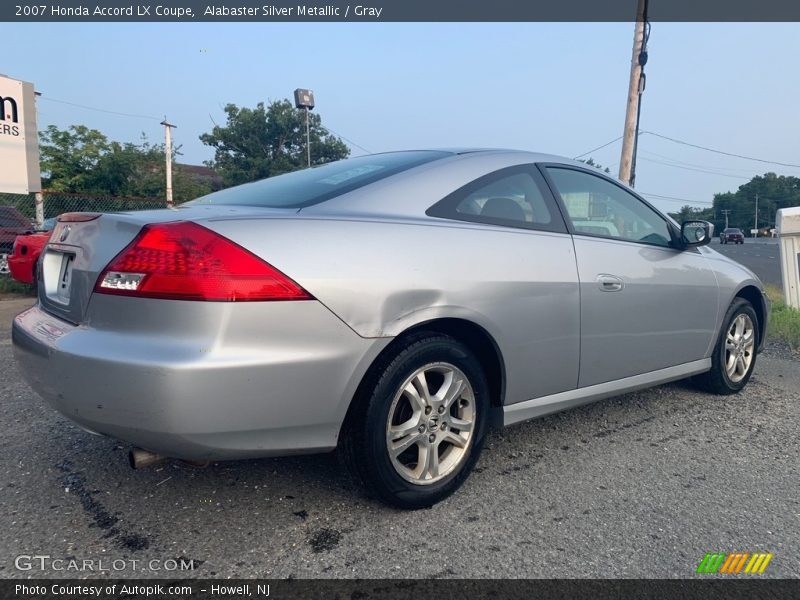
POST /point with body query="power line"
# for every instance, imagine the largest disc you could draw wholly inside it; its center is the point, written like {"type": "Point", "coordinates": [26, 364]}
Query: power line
{"type": "Point", "coordinates": [360, 147]}
{"type": "Point", "coordinates": [697, 165]}
{"type": "Point", "coordinates": [110, 112]}
{"type": "Point", "coordinates": [598, 148]}
{"type": "Point", "coordinates": [137, 116]}
{"type": "Point", "coordinates": [661, 162]}
{"type": "Point", "coordinates": [675, 199]}
{"type": "Point", "coordinates": [761, 160]}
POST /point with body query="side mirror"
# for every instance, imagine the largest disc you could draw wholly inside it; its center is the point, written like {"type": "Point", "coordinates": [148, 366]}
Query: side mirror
{"type": "Point", "coordinates": [696, 233]}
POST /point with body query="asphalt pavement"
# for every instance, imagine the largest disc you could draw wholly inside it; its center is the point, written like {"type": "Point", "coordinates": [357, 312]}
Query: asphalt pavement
{"type": "Point", "coordinates": [642, 485]}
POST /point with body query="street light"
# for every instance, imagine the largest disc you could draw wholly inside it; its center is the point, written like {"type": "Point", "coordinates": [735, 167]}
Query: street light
{"type": "Point", "coordinates": [305, 99]}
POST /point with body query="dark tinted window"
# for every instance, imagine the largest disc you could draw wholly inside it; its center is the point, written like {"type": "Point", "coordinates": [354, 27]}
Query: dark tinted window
{"type": "Point", "coordinates": [315, 185]}
{"type": "Point", "coordinates": [513, 197]}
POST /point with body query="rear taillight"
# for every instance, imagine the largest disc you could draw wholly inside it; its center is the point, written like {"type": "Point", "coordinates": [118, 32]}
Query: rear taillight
{"type": "Point", "coordinates": [185, 261]}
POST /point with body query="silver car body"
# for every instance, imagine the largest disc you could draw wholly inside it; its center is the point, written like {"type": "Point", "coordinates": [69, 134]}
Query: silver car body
{"type": "Point", "coordinates": [219, 380]}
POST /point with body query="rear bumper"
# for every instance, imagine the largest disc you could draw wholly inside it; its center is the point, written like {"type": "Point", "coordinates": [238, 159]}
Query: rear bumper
{"type": "Point", "coordinates": [203, 381]}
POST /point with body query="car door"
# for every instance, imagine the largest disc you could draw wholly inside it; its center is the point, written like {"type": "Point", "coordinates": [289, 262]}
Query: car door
{"type": "Point", "coordinates": [645, 304]}
{"type": "Point", "coordinates": [528, 286]}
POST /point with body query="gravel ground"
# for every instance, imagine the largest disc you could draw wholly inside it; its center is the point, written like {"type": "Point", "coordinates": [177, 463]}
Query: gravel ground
{"type": "Point", "coordinates": [642, 485]}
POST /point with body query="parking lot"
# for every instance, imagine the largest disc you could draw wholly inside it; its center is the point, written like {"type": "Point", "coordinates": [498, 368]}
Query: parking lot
{"type": "Point", "coordinates": [641, 485]}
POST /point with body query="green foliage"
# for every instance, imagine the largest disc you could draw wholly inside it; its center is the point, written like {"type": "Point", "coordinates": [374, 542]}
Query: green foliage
{"type": "Point", "coordinates": [784, 322]}
{"type": "Point", "coordinates": [589, 162]}
{"type": "Point", "coordinates": [689, 213]}
{"type": "Point", "coordinates": [83, 160]}
{"type": "Point", "coordinates": [11, 286]}
{"type": "Point", "coordinates": [774, 192]}
{"type": "Point", "coordinates": [269, 140]}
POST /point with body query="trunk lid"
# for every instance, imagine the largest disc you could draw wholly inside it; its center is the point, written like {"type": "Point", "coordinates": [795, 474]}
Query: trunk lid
{"type": "Point", "coordinates": [79, 251]}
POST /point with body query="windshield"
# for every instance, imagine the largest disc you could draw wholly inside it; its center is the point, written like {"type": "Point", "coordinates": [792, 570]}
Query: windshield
{"type": "Point", "coordinates": [318, 184]}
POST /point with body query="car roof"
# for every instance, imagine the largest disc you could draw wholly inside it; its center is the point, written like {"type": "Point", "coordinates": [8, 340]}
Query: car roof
{"type": "Point", "coordinates": [410, 193]}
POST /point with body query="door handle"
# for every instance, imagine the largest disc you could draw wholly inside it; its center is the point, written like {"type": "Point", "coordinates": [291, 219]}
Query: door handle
{"type": "Point", "coordinates": [610, 283]}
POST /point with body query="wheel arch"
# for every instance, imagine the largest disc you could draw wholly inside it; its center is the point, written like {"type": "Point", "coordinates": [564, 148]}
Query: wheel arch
{"type": "Point", "coordinates": [755, 297]}
{"type": "Point", "coordinates": [469, 333]}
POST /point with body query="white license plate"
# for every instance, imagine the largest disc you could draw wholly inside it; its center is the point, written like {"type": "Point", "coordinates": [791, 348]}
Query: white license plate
{"type": "Point", "coordinates": [57, 268]}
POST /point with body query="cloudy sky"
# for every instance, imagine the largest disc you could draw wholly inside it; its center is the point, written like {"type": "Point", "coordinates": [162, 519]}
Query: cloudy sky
{"type": "Point", "coordinates": [556, 88]}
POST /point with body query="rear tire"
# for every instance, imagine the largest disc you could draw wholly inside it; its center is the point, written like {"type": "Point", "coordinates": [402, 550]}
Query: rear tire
{"type": "Point", "coordinates": [734, 355]}
{"type": "Point", "coordinates": [418, 424]}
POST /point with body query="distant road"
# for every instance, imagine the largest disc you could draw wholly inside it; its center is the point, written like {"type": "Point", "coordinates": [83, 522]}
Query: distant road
{"type": "Point", "coordinates": [762, 257]}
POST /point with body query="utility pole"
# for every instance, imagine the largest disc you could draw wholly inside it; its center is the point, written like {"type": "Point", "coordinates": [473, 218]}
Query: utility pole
{"type": "Point", "coordinates": [756, 223]}
{"type": "Point", "coordinates": [168, 156]}
{"type": "Point", "coordinates": [308, 140]}
{"type": "Point", "coordinates": [627, 163]}
{"type": "Point", "coordinates": [305, 99]}
{"type": "Point", "coordinates": [38, 198]}
{"type": "Point", "coordinates": [725, 212]}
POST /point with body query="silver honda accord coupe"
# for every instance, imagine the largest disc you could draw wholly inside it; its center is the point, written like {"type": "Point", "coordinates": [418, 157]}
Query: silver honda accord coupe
{"type": "Point", "coordinates": [394, 306]}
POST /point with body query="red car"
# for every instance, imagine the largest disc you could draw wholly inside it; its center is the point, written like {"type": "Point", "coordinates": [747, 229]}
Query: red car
{"type": "Point", "coordinates": [12, 224]}
{"type": "Point", "coordinates": [25, 254]}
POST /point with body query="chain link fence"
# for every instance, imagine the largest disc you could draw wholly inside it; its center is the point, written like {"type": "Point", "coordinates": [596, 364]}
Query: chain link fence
{"type": "Point", "coordinates": [19, 212]}
{"type": "Point", "coordinates": [56, 203]}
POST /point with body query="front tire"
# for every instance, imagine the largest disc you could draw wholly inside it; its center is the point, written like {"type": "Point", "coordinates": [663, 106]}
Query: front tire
{"type": "Point", "coordinates": [418, 426]}
{"type": "Point", "coordinates": [734, 356]}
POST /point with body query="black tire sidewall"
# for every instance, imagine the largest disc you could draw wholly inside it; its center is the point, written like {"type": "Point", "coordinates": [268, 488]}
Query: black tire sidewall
{"type": "Point", "coordinates": [738, 307]}
{"type": "Point", "coordinates": [384, 479]}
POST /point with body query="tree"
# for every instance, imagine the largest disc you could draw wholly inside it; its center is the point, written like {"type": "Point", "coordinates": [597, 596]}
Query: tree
{"type": "Point", "coordinates": [773, 191]}
{"type": "Point", "coordinates": [689, 213]}
{"type": "Point", "coordinates": [589, 162]}
{"type": "Point", "coordinates": [83, 160]}
{"type": "Point", "coordinates": [269, 140]}
{"type": "Point", "coordinates": [69, 157]}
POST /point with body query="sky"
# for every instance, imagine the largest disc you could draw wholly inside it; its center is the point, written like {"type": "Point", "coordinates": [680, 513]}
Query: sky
{"type": "Point", "coordinates": [558, 88]}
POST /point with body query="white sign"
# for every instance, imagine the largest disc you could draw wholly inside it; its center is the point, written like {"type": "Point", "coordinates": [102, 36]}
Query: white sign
{"type": "Point", "coordinates": [19, 142]}
{"type": "Point", "coordinates": [788, 222]}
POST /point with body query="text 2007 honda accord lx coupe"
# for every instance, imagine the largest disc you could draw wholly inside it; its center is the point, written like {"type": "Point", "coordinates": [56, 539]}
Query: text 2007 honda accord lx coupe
{"type": "Point", "coordinates": [393, 305]}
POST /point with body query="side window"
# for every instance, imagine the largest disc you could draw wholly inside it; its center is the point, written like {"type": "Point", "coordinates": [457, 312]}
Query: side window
{"type": "Point", "coordinates": [596, 206]}
{"type": "Point", "coordinates": [513, 197]}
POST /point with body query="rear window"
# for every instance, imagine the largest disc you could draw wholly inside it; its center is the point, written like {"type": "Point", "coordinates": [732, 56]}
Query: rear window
{"type": "Point", "coordinates": [318, 184]}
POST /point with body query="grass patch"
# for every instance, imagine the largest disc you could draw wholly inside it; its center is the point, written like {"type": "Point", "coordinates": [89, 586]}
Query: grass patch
{"type": "Point", "coordinates": [784, 320]}
{"type": "Point", "coordinates": [9, 285]}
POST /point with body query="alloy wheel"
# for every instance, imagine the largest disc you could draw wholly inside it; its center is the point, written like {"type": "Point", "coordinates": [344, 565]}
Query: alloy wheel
{"type": "Point", "coordinates": [739, 347]}
{"type": "Point", "coordinates": [431, 422]}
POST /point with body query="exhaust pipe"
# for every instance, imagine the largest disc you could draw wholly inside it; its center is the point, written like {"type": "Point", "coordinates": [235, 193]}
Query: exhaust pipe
{"type": "Point", "coordinates": [141, 459]}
